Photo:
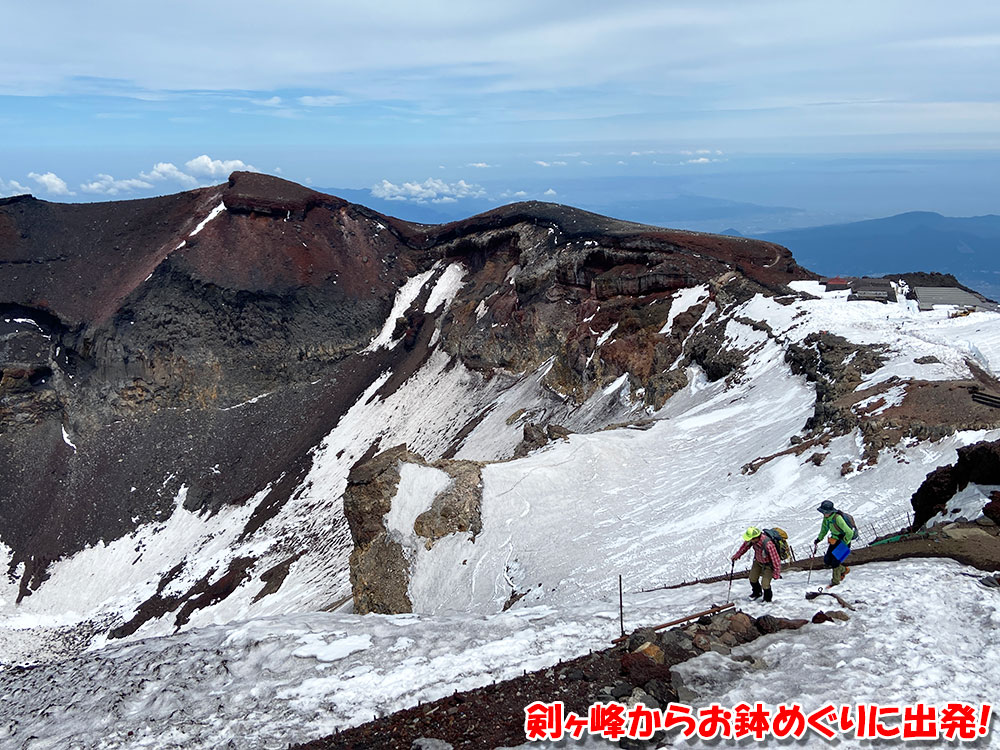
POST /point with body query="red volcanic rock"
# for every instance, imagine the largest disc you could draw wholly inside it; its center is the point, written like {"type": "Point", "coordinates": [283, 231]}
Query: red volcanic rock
{"type": "Point", "coordinates": [251, 192]}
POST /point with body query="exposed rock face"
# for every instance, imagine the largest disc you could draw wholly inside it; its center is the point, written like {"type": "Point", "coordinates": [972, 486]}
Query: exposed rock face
{"type": "Point", "coordinates": [927, 411]}
{"type": "Point", "coordinates": [380, 566]}
{"type": "Point", "coordinates": [837, 366]}
{"type": "Point", "coordinates": [458, 509]}
{"type": "Point", "coordinates": [978, 463]}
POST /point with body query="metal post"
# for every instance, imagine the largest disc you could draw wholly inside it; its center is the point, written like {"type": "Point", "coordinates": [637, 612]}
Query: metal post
{"type": "Point", "coordinates": [621, 606]}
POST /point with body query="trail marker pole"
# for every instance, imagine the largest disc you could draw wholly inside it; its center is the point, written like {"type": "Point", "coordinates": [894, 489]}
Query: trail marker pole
{"type": "Point", "coordinates": [621, 606]}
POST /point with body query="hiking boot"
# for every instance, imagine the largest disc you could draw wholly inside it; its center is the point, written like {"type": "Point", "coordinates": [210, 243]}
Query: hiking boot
{"type": "Point", "coordinates": [847, 569]}
{"type": "Point", "coordinates": [767, 595]}
{"type": "Point", "coordinates": [755, 589]}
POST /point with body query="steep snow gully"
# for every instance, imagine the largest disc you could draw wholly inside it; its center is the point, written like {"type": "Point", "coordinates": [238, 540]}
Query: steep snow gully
{"type": "Point", "coordinates": [241, 629]}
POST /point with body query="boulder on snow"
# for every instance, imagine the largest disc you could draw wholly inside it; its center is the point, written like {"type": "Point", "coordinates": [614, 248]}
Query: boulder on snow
{"type": "Point", "coordinates": [652, 651]}
{"type": "Point", "coordinates": [742, 627]}
{"type": "Point", "coordinates": [771, 624]}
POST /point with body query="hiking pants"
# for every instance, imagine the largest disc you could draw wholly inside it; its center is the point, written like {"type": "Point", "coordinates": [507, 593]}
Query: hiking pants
{"type": "Point", "coordinates": [760, 568]}
{"type": "Point", "coordinates": [829, 560]}
{"type": "Point", "coordinates": [839, 569]}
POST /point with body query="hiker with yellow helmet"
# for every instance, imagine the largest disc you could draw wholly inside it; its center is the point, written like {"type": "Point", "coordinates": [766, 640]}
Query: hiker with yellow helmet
{"type": "Point", "coordinates": [766, 562]}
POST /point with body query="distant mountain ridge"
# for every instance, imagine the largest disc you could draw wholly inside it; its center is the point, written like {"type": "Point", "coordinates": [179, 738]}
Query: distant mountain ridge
{"type": "Point", "coordinates": [965, 247]}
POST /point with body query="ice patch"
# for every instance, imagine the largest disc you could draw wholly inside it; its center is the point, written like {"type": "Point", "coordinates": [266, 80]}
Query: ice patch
{"type": "Point", "coordinates": [65, 437]}
{"type": "Point", "coordinates": [619, 382]}
{"type": "Point", "coordinates": [317, 647]}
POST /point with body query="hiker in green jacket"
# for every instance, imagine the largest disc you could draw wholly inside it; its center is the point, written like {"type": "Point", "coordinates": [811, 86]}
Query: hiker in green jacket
{"type": "Point", "coordinates": [839, 531]}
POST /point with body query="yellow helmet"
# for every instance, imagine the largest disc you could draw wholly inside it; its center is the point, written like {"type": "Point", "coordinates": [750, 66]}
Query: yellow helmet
{"type": "Point", "coordinates": [751, 533]}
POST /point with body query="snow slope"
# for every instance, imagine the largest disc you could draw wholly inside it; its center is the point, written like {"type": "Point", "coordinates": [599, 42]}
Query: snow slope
{"type": "Point", "coordinates": [268, 682]}
{"type": "Point", "coordinates": [656, 505]}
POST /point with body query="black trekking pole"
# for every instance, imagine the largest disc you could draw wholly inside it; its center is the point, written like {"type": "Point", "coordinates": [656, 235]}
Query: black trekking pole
{"type": "Point", "coordinates": [731, 569]}
{"type": "Point", "coordinates": [812, 561]}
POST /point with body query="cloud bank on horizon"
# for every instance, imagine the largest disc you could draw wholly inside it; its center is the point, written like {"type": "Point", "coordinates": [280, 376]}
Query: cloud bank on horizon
{"type": "Point", "coordinates": [108, 98]}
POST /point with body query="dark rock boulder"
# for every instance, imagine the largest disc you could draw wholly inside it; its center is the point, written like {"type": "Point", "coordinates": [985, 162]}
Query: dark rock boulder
{"type": "Point", "coordinates": [978, 463]}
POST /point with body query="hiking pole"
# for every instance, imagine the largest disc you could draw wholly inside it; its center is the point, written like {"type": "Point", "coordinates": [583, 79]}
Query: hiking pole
{"type": "Point", "coordinates": [812, 561]}
{"type": "Point", "coordinates": [730, 589]}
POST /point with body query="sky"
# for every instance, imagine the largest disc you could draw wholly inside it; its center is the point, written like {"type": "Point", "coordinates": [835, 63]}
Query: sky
{"type": "Point", "coordinates": [444, 101]}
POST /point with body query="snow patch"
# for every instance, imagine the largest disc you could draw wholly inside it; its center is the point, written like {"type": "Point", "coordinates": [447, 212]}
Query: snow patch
{"type": "Point", "coordinates": [404, 298]}
{"type": "Point", "coordinates": [447, 286]}
{"type": "Point", "coordinates": [967, 503]}
{"type": "Point", "coordinates": [204, 222]}
{"type": "Point", "coordinates": [682, 301]}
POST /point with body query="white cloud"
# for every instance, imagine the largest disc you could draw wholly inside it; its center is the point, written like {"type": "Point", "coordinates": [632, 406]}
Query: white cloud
{"type": "Point", "coordinates": [550, 192]}
{"type": "Point", "coordinates": [52, 183]}
{"type": "Point", "coordinates": [517, 194]}
{"type": "Point", "coordinates": [543, 163]}
{"type": "Point", "coordinates": [331, 100]}
{"type": "Point", "coordinates": [206, 166]}
{"type": "Point", "coordinates": [12, 188]}
{"type": "Point", "coordinates": [479, 165]}
{"type": "Point", "coordinates": [164, 170]}
{"type": "Point", "coordinates": [274, 101]}
{"type": "Point", "coordinates": [431, 190]}
{"type": "Point", "coordinates": [105, 184]}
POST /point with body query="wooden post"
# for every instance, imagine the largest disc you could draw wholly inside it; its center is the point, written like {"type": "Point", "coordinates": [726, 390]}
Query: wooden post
{"type": "Point", "coordinates": [621, 606]}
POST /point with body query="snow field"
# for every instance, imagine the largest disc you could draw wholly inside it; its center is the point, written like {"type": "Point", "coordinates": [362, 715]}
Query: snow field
{"type": "Point", "coordinates": [271, 681]}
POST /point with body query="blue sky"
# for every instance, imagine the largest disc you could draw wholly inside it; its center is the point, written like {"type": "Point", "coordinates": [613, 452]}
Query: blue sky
{"type": "Point", "coordinates": [440, 101]}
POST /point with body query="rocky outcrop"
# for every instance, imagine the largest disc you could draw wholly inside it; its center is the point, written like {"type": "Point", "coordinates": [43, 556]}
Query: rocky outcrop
{"type": "Point", "coordinates": [457, 509]}
{"type": "Point", "coordinates": [379, 563]}
{"type": "Point", "coordinates": [978, 463]}
{"type": "Point", "coordinates": [836, 366]}
{"type": "Point", "coordinates": [379, 568]}
{"type": "Point", "coordinates": [251, 192]}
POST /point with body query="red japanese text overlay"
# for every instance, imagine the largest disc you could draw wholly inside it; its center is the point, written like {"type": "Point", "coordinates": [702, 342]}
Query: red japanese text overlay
{"type": "Point", "coordinates": [947, 722]}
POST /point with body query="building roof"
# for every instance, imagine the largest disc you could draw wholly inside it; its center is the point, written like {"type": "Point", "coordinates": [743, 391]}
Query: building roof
{"type": "Point", "coordinates": [928, 296]}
